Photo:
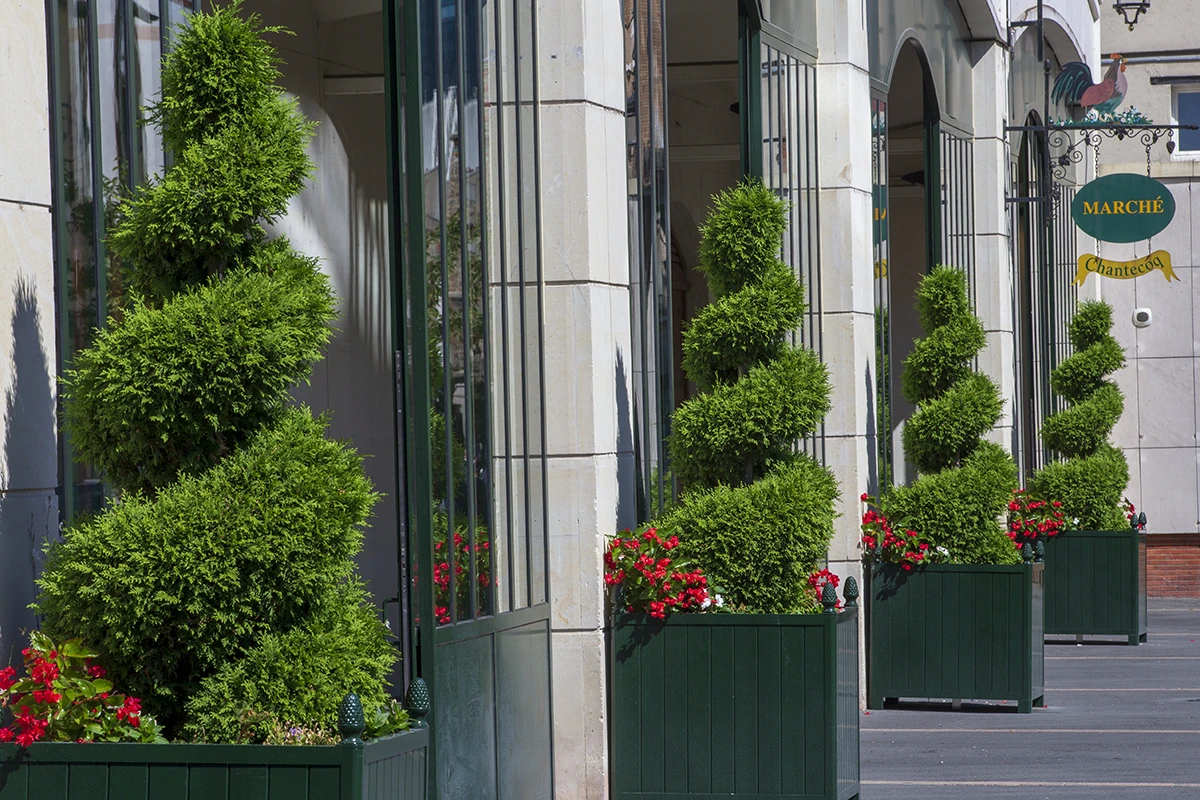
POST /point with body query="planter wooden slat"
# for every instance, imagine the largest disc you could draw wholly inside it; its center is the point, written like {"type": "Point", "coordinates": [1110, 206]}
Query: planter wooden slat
{"type": "Point", "coordinates": [392, 768]}
{"type": "Point", "coordinates": [736, 706]}
{"type": "Point", "coordinates": [956, 631]}
{"type": "Point", "coordinates": [1096, 584]}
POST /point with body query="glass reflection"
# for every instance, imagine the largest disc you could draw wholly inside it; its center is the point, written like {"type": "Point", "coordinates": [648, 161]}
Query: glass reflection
{"type": "Point", "coordinates": [531, 310]}
{"type": "Point", "coordinates": [879, 233]}
{"type": "Point", "coordinates": [146, 55]}
{"type": "Point", "coordinates": [457, 314]}
{"type": "Point", "coordinates": [79, 307]}
{"type": "Point", "coordinates": [108, 66]}
{"type": "Point", "coordinates": [649, 374]}
{"type": "Point", "coordinates": [116, 130]}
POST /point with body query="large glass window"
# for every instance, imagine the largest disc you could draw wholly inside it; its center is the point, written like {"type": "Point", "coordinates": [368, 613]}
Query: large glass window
{"type": "Point", "coordinates": [105, 62]}
{"type": "Point", "coordinates": [1187, 112]}
{"type": "Point", "coordinates": [479, 213]}
{"type": "Point", "coordinates": [879, 238]}
{"type": "Point", "coordinates": [649, 249]}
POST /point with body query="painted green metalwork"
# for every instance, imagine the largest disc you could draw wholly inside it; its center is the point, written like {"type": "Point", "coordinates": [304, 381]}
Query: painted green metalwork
{"type": "Point", "coordinates": [391, 768]}
{"type": "Point", "coordinates": [1096, 584]}
{"type": "Point", "coordinates": [1044, 246]}
{"type": "Point", "coordinates": [737, 706]}
{"type": "Point", "coordinates": [779, 144]}
{"type": "Point", "coordinates": [470, 291]}
{"type": "Point", "coordinates": [956, 631]}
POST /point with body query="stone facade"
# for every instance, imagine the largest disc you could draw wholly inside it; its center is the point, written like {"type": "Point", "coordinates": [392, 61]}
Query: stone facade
{"type": "Point", "coordinates": [589, 330]}
{"type": "Point", "coordinates": [1158, 431]}
{"type": "Point", "coordinates": [28, 362]}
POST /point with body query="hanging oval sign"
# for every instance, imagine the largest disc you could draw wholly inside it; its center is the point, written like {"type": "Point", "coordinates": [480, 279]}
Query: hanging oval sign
{"type": "Point", "coordinates": [1125, 207]}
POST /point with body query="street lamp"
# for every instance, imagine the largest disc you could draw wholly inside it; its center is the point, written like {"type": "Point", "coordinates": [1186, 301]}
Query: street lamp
{"type": "Point", "coordinates": [1134, 7]}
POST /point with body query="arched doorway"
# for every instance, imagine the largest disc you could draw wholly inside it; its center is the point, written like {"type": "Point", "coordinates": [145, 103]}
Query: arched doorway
{"type": "Point", "coordinates": [741, 101]}
{"type": "Point", "coordinates": [924, 214]}
{"type": "Point", "coordinates": [1031, 251]}
{"type": "Point", "coordinates": [904, 123]}
{"type": "Point", "coordinates": [1044, 247]}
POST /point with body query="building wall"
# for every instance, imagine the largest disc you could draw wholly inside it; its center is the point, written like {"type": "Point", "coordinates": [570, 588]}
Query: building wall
{"type": "Point", "coordinates": [28, 392]}
{"type": "Point", "coordinates": [588, 362]}
{"type": "Point", "coordinates": [1161, 380]}
{"type": "Point", "coordinates": [341, 218]}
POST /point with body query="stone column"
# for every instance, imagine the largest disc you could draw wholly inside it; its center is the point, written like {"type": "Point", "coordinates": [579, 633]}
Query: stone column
{"type": "Point", "coordinates": [994, 265]}
{"type": "Point", "coordinates": [28, 365]}
{"type": "Point", "coordinates": [847, 265]}
{"type": "Point", "coordinates": [588, 364]}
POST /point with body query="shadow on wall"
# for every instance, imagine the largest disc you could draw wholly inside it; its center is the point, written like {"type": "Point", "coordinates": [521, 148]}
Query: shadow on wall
{"type": "Point", "coordinates": [627, 465]}
{"type": "Point", "coordinates": [873, 481]}
{"type": "Point", "coordinates": [28, 506]}
{"type": "Point", "coordinates": [341, 219]}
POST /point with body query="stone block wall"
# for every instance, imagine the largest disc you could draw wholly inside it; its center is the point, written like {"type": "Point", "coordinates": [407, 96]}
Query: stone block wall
{"type": "Point", "coordinates": [28, 364]}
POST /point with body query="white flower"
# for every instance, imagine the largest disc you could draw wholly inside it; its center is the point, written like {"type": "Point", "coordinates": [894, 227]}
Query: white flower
{"type": "Point", "coordinates": [720, 601]}
{"type": "Point", "coordinates": [943, 551]}
{"type": "Point", "coordinates": [706, 603]}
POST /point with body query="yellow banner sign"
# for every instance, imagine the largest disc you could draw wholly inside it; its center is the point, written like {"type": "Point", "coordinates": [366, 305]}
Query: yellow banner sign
{"type": "Point", "coordinates": [1159, 259]}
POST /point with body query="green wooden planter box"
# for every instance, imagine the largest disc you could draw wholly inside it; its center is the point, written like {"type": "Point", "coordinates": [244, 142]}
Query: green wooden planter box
{"type": "Point", "coordinates": [1096, 584]}
{"type": "Point", "coordinates": [956, 631]}
{"type": "Point", "coordinates": [391, 768]}
{"type": "Point", "coordinates": [735, 706]}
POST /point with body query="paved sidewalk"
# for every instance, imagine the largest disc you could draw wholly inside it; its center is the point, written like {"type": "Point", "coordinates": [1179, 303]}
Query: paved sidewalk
{"type": "Point", "coordinates": [1123, 722]}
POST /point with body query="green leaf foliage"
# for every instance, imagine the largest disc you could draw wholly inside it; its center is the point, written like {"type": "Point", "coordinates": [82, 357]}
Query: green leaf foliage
{"type": "Point", "coordinates": [221, 585]}
{"type": "Point", "coordinates": [1092, 479]}
{"type": "Point", "coordinates": [740, 241]}
{"type": "Point", "coordinates": [240, 146]}
{"type": "Point", "coordinates": [755, 517]}
{"type": "Point", "coordinates": [171, 390]}
{"type": "Point", "coordinates": [964, 483]}
{"type": "Point", "coordinates": [760, 542]}
{"type": "Point", "coordinates": [959, 508]}
{"type": "Point", "coordinates": [942, 359]}
{"type": "Point", "coordinates": [746, 328]}
{"type": "Point", "coordinates": [737, 431]}
{"type": "Point", "coordinates": [949, 426]}
{"type": "Point", "coordinates": [1089, 487]}
{"type": "Point", "coordinates": [173, 589]}
{"type": "Point", "coordinates": [1085, 430]}
{"type": "Point", "coordinates": [300, 674]}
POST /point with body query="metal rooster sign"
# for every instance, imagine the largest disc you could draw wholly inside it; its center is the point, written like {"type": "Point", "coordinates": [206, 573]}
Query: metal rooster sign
{"type": "Point", "coordinates": [1075, 86]}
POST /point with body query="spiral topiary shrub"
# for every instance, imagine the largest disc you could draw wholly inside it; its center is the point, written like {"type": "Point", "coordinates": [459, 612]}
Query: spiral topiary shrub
{"type": "Point", "coordinates": [222, 586]}
{"type": "Point", "coordinates": [964, 483]}
{"type": "Point", "coordinates": [1091, 479]}
{"type": "Point", "coordinates": [755, 515]}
